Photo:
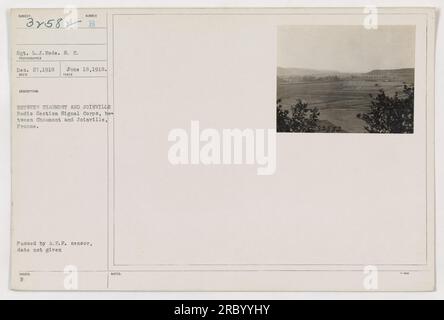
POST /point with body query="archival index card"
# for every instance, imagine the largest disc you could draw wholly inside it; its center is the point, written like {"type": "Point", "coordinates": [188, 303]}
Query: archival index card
{"type": "Point", "coordinates": [223, 149]}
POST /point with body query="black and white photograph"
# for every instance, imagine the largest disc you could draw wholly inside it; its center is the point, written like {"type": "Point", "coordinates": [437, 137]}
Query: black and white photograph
{"type": "Point", "coordinates": [217, 157]}
{"type": "Point", "coordinates": [345, 79]}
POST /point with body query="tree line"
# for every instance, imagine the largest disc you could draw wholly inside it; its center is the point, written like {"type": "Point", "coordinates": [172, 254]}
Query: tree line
{"type": "Point", "coordinates": [387, 114]}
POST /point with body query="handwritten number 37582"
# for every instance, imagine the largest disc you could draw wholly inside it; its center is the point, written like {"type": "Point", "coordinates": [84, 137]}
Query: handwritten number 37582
{"type": "Point", "coordinates": [51, 23]}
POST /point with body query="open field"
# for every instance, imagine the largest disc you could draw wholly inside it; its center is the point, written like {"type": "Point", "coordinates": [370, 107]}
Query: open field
{"type": "Point", "coordinates": [340, 99]}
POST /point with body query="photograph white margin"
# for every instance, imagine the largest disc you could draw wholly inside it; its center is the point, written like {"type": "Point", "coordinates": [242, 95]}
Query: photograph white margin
{"type": "Point", "coordinates": [5, 179]}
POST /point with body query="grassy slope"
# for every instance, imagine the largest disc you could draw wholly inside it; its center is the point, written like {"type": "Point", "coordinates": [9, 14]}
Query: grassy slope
{"type": "Point", "coordinates": [340, 101]}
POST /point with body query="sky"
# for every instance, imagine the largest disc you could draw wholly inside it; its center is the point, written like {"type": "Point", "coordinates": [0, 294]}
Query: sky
{"type": "Point", "coordinates": [346, 48]}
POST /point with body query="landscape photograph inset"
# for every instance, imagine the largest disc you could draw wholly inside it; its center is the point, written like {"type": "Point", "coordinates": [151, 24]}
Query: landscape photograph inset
{"type": "Point", "coordinates": [345, 79]}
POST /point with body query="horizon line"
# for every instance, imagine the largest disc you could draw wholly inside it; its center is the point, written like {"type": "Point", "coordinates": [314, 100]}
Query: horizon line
{"type": "Point", "coordinates": [331, 70]}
